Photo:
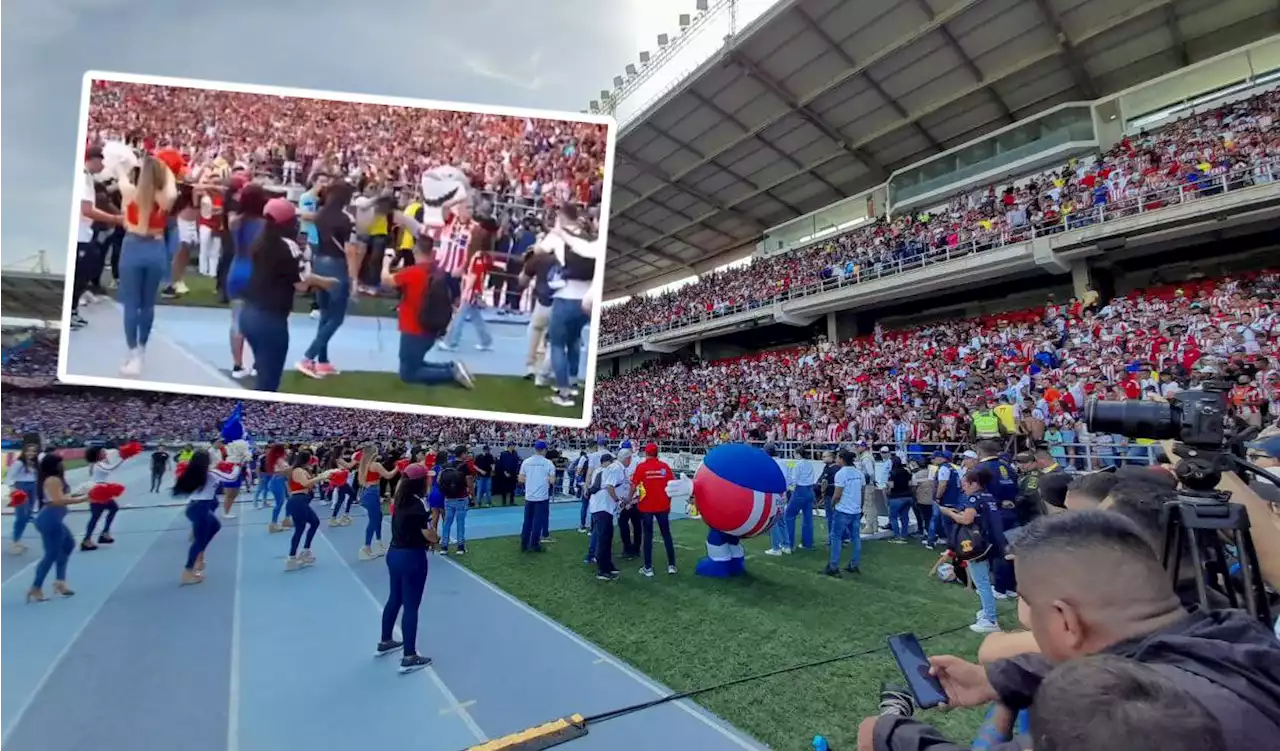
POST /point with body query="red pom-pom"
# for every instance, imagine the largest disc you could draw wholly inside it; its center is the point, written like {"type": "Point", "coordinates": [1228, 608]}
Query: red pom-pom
{"type": "Point", "coordinates": [130, 450]}
{"type": "Point", "coordinates": [391, 508]}
{"type": "Point", "coordinates": [174, 160]}
{"type": "Point", "coordinates": [315, 461]}
{"type": "Point", "coordinates": [338, 478]}
{"type": "Point", "coordinates": [105, 492]}
{"type": "Point", "coordinates": [356, 456]}
{"type": "Point", "coordinates": [180, 468]}
{"type": "Point", "coordinates": [17, 498]}
{"type": "Point", "coordinates": [402, 464]}
{"type": "Point", "coordinates": [226, 468]}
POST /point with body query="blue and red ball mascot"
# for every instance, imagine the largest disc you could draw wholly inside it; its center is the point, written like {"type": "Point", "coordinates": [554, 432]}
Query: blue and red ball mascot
{"type": "Point", "coordinates": [738, 491]}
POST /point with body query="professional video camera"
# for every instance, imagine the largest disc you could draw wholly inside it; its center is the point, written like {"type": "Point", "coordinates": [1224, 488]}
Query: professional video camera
{"type": "Point", "coordinates": [1200, 517]}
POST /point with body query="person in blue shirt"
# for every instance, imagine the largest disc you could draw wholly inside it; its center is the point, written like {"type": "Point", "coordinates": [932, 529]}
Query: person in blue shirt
{"type": "Point", "coordinates": [946, 493]}
{"type": "Point", "coordinates": [308, 207]}
{"type": "Point", "coordinates": [977, 506]}
{"type": "Point", "coordinates": [845, 514]}
{"type": "Point", "coordinates": [1004, 488]}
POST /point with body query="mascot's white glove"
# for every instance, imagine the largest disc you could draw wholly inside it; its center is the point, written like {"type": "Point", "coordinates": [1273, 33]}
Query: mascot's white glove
{"type": "Point", "coordinates": [680, 491]}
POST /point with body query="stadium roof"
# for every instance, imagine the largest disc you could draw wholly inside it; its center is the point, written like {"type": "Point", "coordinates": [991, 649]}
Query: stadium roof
{"type": "Point", "coordinates": [820, 100]}
{"type": "Point", "coordinates": [29, 294]}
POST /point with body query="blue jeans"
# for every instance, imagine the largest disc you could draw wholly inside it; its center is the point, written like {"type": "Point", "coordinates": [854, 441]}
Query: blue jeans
{"type": "Point", "coordinates": [413, 365]}
{"type": "Point", "coordinates": [268, 336]}
{"type": "Point", "coordinates": [564, 335]}
{"type": "Point", "coordinates": [484, 490]}
{"type": "Point", "coordinates": [332, 304]}
{"type": "Point", "coordinates": [204, 525]}
{"type": "Point", "coordinates": [935, 525]}
{"type": "Point", "coordinates": [469, 312]}
{"type": "Point", "coordinates": [408, 570]}
{"type": "Point", "coordinates": [276, 485]}
{"type": "Point", "coordinates": [22, 514]}
{"type": "Point", "coordinates": [536, 515]}
{"type": "Point", "coordinates": [900, 515]}
{"type": "Point", "coordinates": [58, 544]}
{"type": "Point", "coordinates": [980, 575]}
{"type": "Point", "coordinates": [842, 524]}
{"type": "Point", "coordinates": [455, 509]}
{"type": "Point", "coordinates": [800, 505]}
{"type": "Point", "coordinates": [371, 502]}
{"type": "Point", "coordinates": [143, 262]}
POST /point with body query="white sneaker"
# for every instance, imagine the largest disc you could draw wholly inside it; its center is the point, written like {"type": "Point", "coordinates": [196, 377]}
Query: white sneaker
{"type": "Point", "coordinates": [671, 569]}
{"type": "Point", "coordinates": [561, 401]}
{"type": "Point", "coordinates": [1001, 596]}
{"type": "Point", "coordinates": [228, 516]}
{"type": "Point", "coordinates": [984, 627]}
{"type": "Point", "coordinates": [445, 347]}
{"type": "Point", "coordinates": [646, 572]}
{"type": "Point", "coordinates": [132, 367]}
{"type": "Point", "coordinates": [292, 563]}
{"type": "Point", "coordinates": [786, 551]}
{"type": "Point", "coordinates": [484, 347]}
{"type": "Point", "coordinates": [316, 314]}
{"type": "Point", "coordinates": [774, 552]}
{"type": "Point", "coordinates": [181, 288]}
{"type": "Point", "coordinates": [367, 554]}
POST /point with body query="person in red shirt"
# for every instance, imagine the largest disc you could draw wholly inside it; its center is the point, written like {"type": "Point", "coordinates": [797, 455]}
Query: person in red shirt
{"type": "Point", "coordinates": [649, 481]}
{"type": "Point", "coordinates": [422, 291]}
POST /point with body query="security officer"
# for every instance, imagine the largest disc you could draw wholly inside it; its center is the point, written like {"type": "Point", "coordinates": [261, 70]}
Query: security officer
{"type": "Point", "coordinates": [986, 423]}
{"type": "Point", "coordinates": [1029, 474]}
{"type": "Point", "coordinates": [1004, 487]}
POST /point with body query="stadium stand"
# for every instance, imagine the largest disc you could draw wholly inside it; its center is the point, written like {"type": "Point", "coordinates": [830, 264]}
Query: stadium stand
{"type": "Point", "coordinates": [1204, 154]}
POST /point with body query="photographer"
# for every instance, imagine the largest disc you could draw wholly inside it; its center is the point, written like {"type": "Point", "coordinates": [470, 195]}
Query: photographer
{"type": "Point", "coordinates": [1089, 583]}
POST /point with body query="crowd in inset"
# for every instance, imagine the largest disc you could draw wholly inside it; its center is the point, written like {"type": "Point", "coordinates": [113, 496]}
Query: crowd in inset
{"type": "Point", "coordinates": [1227, 147]}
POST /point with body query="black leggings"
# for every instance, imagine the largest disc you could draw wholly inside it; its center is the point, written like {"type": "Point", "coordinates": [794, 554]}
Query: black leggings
{"type": "Point", "coordinates": [663, 518]}
{"type": "Point", "coordinates": [342, 493]}
{"type": "Point", "coordinates": [95, 513]}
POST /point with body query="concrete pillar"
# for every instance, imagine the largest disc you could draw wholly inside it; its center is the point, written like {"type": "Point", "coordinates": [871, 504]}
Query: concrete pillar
{"type": "Point", "coordinates": [697, 347]}
{"type": "Point", "coordinates": [833, 334]}
{"type": "Point", "coordinates": [1080, 278]}
{"type": "Point", "coordinates": [1108, 124]}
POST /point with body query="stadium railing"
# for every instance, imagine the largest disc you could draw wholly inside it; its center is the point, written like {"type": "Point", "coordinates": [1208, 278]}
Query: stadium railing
{"type": "Point", "coordinates": [1263, 173]}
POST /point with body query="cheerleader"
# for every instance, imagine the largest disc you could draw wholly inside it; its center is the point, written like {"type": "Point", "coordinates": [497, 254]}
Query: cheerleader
{"type": "Point", "coordinates": [280, 468]}
{"type": "Point", "coordinates": [370, 474]}
{"type": "Point", "coordinates": [54, 533]}
{"type": "Point", "coordinates": [344, 493]}
{"type": "Point", "coordinates": [99, 471]}
{"type": "Point", "coordinates": [305, 521]}
{"type": "Point", "coordinates": [201, 481]}
{"type": "Point", "coordinates": [24, 475]}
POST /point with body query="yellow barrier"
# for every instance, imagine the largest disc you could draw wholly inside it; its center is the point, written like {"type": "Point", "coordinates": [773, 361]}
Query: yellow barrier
{"type": "Point", "coordinates": [541, 737]}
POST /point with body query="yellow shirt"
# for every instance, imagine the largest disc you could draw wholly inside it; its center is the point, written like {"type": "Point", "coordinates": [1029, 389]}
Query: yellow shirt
{"type": "Point", "coordinates": [1004, 413]}
{"type": "Point", "coordinates": [407, 239]}
{"type": "Point", "coordinates": [378, 226]}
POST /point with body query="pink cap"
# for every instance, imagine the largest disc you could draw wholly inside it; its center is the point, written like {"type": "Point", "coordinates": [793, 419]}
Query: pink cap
{"type": "Point", "coordinates": [415, 471]}
{"type": "Point", "coordinates": [279, 211]}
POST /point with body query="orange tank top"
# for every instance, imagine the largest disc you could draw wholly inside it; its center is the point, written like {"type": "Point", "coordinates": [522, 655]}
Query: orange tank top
{"type": "Point", "coordinates": [156, 223]}
{"type": "Point", "coordinates": [295, 487]}
{"type": "Point", "coordinates": [371, 477]}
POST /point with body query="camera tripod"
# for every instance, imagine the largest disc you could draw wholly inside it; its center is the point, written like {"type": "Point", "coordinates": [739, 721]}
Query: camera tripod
{"type": "Point", "coordinates": [1202, 522]}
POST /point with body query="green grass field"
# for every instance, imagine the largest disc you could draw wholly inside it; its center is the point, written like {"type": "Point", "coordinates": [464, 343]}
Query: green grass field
{"type": "Point", "coordinates": [204, 295]}
{"type": "Point", "coordinates": [492, 393]}
{"type": "Point", "coordinates": [687, 631]}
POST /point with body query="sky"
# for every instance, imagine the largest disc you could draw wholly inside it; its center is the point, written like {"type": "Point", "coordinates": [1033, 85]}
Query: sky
{"type": "Point", "coordinates": [494, 52]}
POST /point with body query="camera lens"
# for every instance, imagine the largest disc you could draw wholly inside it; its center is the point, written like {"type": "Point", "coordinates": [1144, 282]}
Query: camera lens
{"type": "Point", "coordinates": [1134, 419]}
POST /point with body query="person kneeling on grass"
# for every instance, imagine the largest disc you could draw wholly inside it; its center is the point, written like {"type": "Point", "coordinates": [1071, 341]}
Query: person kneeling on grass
{"type": "Point", "coordinates": [425, 312]}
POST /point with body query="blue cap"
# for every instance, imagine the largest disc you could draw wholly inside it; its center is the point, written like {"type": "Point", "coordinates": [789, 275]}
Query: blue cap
{"type": "Point", "coordinates": [625, 445]}
{"type": "Point", "coordinates": [1269, 446]}
{"type": "Point", "coordinates": [540, 446]}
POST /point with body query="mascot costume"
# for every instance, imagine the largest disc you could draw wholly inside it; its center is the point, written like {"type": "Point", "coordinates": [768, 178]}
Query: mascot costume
{"type": "Point", "coordinates": [238, 454]}
{"type": "Point", "coordinates": [442, 187]}
{"type": "Point", "coordinates": [738, 490]}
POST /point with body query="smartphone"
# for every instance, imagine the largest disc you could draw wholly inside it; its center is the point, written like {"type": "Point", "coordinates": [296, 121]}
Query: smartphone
{"type": "Point", "coordinates": [926, 689]}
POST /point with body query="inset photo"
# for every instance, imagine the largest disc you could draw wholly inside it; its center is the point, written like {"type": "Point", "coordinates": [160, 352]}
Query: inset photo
{"type": "Point", "coordinates": [323, 248]}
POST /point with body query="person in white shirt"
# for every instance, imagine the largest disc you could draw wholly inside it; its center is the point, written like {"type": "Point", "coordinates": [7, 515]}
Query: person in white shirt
{"type": "Point", "coordinates": [588, 475]}
{"type": "Point", "coordinates": [629, 525]}
{"type": "Point", "coordinates": [846, 514]}
{"type": "Point", "coordinates": [537, 474]}
{"type": "Point", "coordinates": [604, 507]}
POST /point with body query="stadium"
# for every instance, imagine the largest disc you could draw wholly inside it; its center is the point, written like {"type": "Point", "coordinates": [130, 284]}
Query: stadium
{"type": "Point", "coordinates": [855, 226]}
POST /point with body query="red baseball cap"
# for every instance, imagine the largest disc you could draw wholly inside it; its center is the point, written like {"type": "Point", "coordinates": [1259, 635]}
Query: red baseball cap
{"type": "Point", "coordinates": [651, 449]}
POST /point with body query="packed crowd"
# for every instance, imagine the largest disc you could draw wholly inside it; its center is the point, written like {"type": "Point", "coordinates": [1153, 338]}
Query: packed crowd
{"type": "Point", "coordinates": [35, 357]}
{"type": "Point", "coordinates": [291, 138]}
{"type": "Point", "coordinates": [1034, 368]}
{"type": "Point", "coordinates": [1186, 159]}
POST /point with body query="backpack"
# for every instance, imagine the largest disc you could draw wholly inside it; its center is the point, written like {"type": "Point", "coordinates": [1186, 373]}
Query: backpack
{"type": "Point", "coordinates": [968, 543]}
{"type": "Point", "coordinates": [436, 311]}
{"type": "Point", "coordinates": [452, 485]}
